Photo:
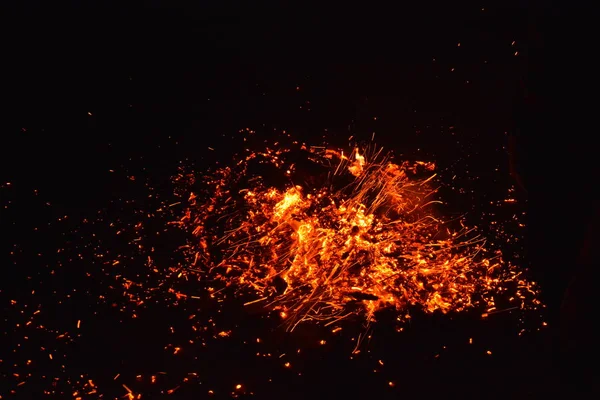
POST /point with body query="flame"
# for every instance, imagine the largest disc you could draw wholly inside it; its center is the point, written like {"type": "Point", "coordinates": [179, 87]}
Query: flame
{"type": "Point", "coordinates": [357, 166]}
{"type": "Point", "coordinates": [355, 236]}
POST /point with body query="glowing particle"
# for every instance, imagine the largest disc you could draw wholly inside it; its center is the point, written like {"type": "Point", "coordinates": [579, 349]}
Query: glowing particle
{"type": "Point", "coordinates": [171, 391]}
{"type": "Point", "coordinates": [314, 254]}
{"type": "Point", "coordinates": [488, 352]}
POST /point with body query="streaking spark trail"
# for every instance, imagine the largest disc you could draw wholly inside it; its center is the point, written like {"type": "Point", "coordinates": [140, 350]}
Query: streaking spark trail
{"type": "Point", "coordinates": [321, 234]}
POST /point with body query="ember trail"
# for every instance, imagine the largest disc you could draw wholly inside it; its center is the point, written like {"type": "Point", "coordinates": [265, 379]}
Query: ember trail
{"type": "Point", "coordinates": [320, 235]}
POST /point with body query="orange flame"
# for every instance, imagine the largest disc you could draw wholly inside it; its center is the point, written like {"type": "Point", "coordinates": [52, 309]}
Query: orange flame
{"type": "Point", "coordinates": [358, 237]}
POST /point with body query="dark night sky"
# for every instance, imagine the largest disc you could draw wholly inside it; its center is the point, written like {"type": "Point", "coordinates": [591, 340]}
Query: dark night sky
{"type": "Point", "coordinates": [92, 89]}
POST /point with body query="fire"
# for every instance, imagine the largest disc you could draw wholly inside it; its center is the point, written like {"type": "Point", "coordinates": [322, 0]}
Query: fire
{"type": "Point", "coordinates": [349, 235]}
{"type": "Point", "coordinates": [311, 234]}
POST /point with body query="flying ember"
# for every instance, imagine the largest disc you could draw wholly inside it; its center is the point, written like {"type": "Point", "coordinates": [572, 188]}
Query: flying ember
{"type": "Point", "coordinates": [320, 234]}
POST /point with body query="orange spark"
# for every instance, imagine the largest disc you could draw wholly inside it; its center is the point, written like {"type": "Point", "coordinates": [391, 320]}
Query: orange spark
{"type": "Point", "coordinates": [356, 233]}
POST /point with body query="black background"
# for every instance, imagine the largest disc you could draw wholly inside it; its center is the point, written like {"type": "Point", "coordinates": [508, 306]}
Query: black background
{"type": "Point", "coordinates": [138, 89]}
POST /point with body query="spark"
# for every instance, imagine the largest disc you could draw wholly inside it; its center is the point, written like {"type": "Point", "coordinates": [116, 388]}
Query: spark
{"type": "Point", "coordinates": [361, 235]}
{"type": "Point", "coordinates": [305, 235]}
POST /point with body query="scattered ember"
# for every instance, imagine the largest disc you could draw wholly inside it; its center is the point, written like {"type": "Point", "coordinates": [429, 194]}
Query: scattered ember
{"type": "Point", "coordinates": [292, 234]}
{"type": "Point", "coordinates": [321, 235]}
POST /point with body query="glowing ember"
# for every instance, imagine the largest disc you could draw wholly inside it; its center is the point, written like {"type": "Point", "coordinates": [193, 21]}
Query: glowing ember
{"type": "Point", "coordinates": [320, 235]}
{"type": "Point", "coordinates": [309, 234]}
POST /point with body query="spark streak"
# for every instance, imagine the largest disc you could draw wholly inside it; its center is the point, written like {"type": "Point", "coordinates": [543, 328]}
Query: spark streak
{"type": "Point", "coordinates": [350, 235]}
